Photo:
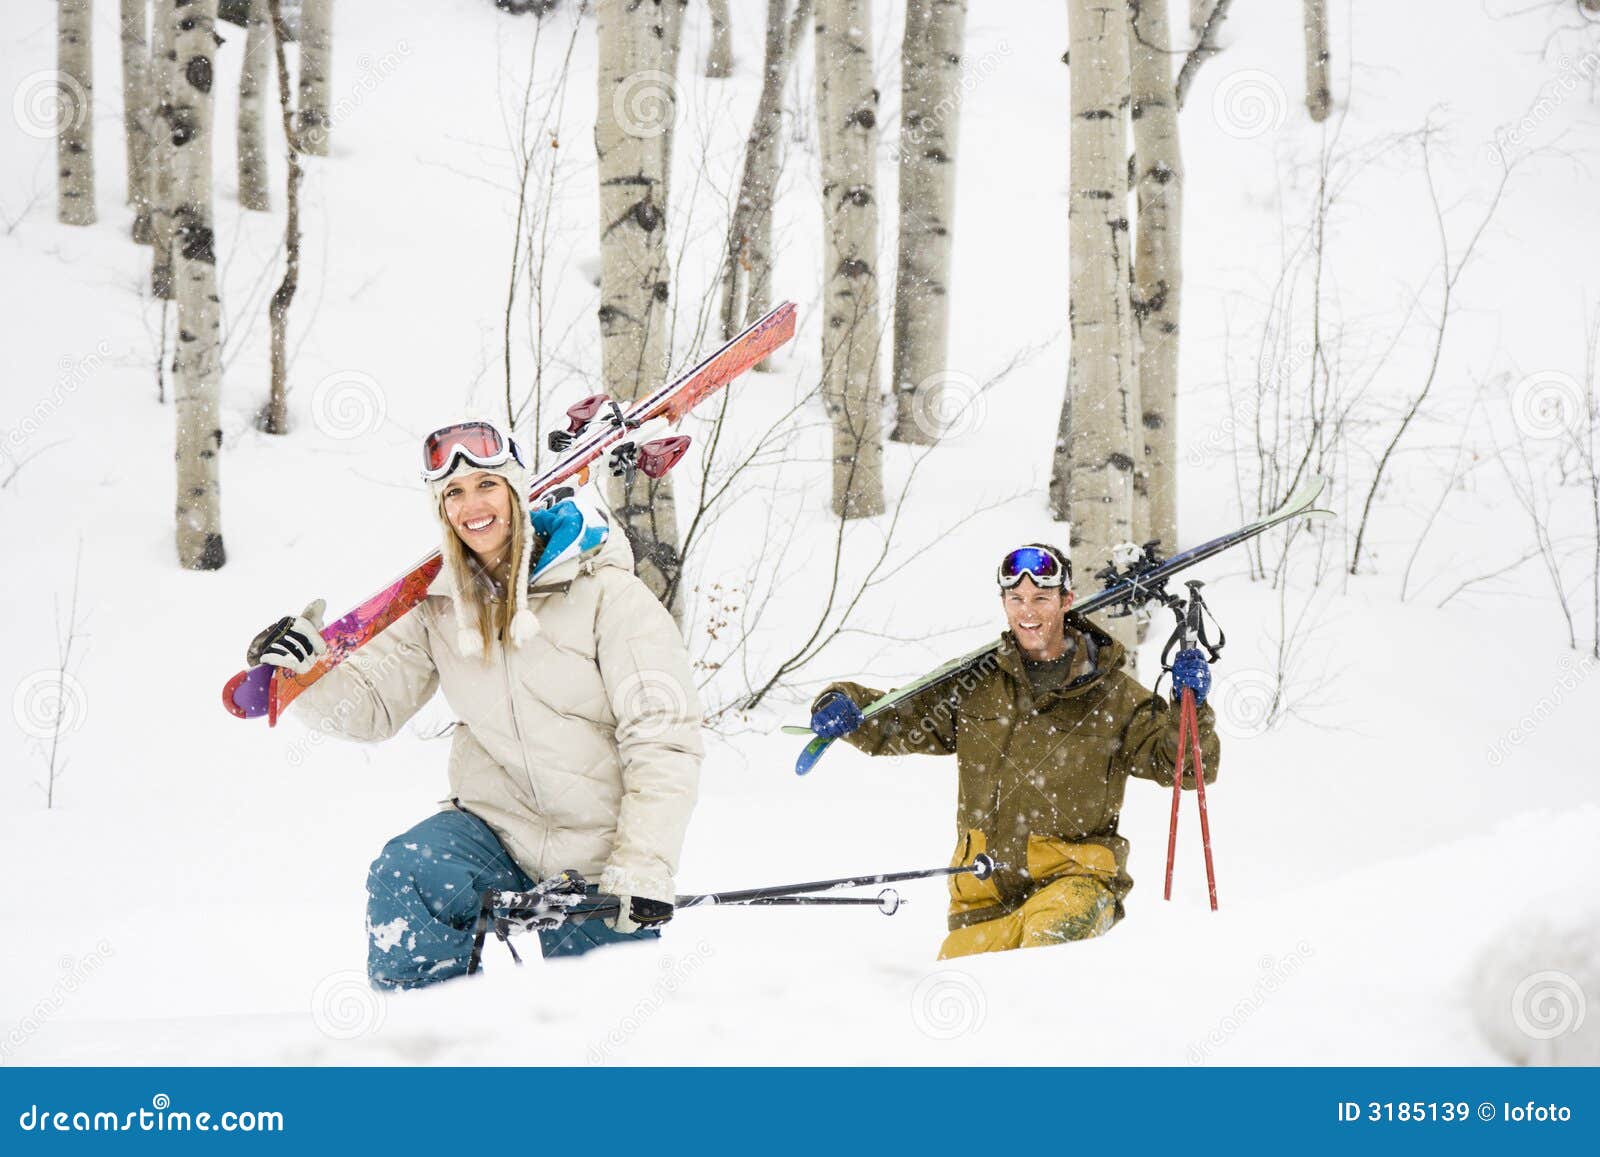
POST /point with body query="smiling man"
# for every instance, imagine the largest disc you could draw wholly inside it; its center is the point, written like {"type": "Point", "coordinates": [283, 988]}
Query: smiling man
{"type": "Point", "coordinates": [1046, 732]}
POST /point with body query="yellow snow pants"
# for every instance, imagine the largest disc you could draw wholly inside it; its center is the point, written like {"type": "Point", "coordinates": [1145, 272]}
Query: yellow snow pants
{"type": "Point", "coordinates": [1072, 899]}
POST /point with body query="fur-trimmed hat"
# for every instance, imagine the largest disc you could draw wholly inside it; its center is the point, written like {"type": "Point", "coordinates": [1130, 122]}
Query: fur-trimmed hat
{"type": "Point", "coordinates": [524, 624]}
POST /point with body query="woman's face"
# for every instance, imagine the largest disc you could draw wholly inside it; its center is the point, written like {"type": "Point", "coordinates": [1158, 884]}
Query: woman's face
{"type": "Point", "coordinates": [478, 506]}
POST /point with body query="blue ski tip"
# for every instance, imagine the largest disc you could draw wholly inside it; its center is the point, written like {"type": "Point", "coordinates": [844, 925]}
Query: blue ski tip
{"type": "Point", "coordinates": [812, 752]}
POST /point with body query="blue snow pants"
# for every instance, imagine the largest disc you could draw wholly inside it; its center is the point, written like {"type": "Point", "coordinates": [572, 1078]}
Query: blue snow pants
{"type": "Point", "coordinates": [423, 894]}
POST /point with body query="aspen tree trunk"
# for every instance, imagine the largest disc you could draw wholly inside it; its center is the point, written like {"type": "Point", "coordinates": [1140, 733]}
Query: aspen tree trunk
{"type": "Point", "coordinates": [252, 146]}
{"type": "Point", "coordinates": [316, 75]}
{"type": "Point", "coordinates": [633, 124]}
{"type": "Point", "coordinates": [1158, 258]}
{"type": "Point", "coordinates": [847, 129]}
{"type": "Point", "coordinates": [719, 62]}
{"type": "Point", "coordinates": [74, 114]}
{"type": "Point", "coordinates": [199, 507]}
{"type": "Point", "coordinates": [671, 33]}
{"type": "Point", "coordinates": [136, 113]}
{"type": "Point", "coordinates": [1318, 95]}
{"type": "Point", "coordinates": [274, 417]}
{"type": "Point", "coordinates": [1205, 45]}
{"type": "Point", "coordinates": [1092, 484]}
{"type": "Point", "coordinates": [930, 105]}
{"type": "Point", "coordinates": [749, 260]}
{"type": "Point", "coordinates": [1198, 11]}
{"type": "Point", "coordinates": [161, 79]}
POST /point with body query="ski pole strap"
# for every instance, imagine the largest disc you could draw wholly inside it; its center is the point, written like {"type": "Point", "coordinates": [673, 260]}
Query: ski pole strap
{"type": "Point", "coordinates": [1191, 629]}
{"type": "Point", "coordinates": [480, 930]}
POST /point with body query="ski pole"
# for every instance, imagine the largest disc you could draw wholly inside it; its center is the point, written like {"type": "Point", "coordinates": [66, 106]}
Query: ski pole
{"type": "Point", "coordinates": [500, 913]}
{"type": "Point", "coordinates": [1200, 796]}
{"type": "Point", "coordinates": [1189, 736]}
{"type": "Point", "coordinates": [981, 868]}
{"type": "Point", "coordinates": [887, 901]}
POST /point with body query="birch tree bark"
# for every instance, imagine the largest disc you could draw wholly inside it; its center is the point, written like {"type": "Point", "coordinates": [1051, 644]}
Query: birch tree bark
{"type": "Point", "coordinates": [749, 261]}
{"type": "Point", "coordinates": [930, 107]}
{"type": "Point", "coordinates": [316, 75]}
{"type": "Point", "coordinates": [719, 62]}
{"type": "Point", "coordinates": [253, 73]}
{"type": "Point", "coordinates": [136, 112]}
{"type": "Point", "coordinates": [847, 127]}
{"type": "Point", "coordinates": [1318, 95]}
{"type": "Point", "coordinates": [633, 126]}
{"type": "Point", "coordinates": [275, 414]}
{"type": "Point", "coordinates": [670, 33]}
{"type": "Point", "coordinates": [199, 505]}
{"type": "Point", "coordinates": [163, 64]}
{"type": "Point", "coordinates": [1198, 11]}
{"type": "Point", "coordinates": [74, 114]}
{"type": "Point", "coordinates": [1158, 258]}
{"type": "Point", "coordinates": [1092, 483]}
{"type": "Point", "coordinates": [1205, 45]}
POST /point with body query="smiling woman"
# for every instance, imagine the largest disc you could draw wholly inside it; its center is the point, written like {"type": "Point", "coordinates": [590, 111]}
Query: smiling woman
{"type": "Point", "coordinates": [577, 741]}
{"type": "Point", "coordinates": [486, 543]}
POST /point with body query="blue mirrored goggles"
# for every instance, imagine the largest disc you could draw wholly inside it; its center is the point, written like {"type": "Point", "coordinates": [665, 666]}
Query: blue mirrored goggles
{"type": "Point", "coordinates": [1042, 566]}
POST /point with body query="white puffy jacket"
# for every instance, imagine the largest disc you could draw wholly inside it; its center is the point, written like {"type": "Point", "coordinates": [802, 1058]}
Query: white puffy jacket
{"type": "Point", "coordinates": [580, 748]}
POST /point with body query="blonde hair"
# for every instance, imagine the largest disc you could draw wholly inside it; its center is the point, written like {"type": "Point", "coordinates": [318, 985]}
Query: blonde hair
{"type": "Point", "coordinates": [491, 598]}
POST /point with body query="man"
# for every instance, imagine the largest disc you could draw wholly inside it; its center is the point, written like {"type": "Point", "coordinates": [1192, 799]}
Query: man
{"type": "Point", "coordinates": [1046, 732]}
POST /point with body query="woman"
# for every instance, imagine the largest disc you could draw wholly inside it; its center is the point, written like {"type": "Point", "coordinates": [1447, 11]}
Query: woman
{"type": "Point", "coordinates": [578, 743]}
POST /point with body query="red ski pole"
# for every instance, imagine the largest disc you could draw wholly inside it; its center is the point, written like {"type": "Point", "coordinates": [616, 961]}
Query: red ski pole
{"type": "Point", "coordinates": [1200, 793]}
{"type": "Point", "coordinates": [1189, 738]}
{"type": "Point", "coordinates": [1177, 791]}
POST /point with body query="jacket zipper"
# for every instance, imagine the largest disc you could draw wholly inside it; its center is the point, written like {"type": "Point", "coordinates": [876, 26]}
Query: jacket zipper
{"type": "Point", "coordinates": [516, 727]}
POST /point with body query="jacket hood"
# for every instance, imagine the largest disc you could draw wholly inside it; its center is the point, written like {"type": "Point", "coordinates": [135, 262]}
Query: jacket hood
{"type": "Point", "coordinates": [1105, 654]}
{"type": "Point", "coordinates": [575, 534]}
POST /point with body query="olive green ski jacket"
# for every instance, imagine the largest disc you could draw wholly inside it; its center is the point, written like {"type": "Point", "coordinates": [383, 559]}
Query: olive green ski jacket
{"type": "Point", "coordinates": [1051, 767]}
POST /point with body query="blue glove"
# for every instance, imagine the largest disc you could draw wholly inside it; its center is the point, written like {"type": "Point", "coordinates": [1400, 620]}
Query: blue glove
{"type": "Point", "coordinates": [1190, 670]}
{"type": "Point", "coordinates": [836, 716]}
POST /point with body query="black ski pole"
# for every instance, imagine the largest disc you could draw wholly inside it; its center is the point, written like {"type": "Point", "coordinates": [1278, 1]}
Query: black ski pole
{"type": "Point", "coordinates": [981, 868]}
{"type": "Point", "coordinates": [888, 901]}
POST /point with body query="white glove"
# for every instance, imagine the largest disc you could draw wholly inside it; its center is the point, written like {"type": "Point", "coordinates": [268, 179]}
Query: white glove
{"type": "Point", "coordinates": [294, 642]}
{"type": "Point", "coordinates": [635, 912]}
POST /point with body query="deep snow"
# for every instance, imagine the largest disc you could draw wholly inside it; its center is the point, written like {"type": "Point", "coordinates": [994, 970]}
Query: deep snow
{"type": "Point", "coordinates": [196, 893]}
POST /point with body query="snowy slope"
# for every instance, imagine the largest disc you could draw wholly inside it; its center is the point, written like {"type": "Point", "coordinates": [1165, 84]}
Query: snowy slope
{"type": "Point", "coordinates": [195, 895]}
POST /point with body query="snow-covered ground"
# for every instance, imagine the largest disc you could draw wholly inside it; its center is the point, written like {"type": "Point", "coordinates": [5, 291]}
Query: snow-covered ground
{"type": "Point", "coordinates": [195, 894]}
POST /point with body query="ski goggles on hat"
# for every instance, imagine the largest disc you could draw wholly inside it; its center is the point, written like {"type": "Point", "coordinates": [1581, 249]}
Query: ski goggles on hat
{"type": "Point", "coordinates": [483, 444]}
{"type": "Point", "coordinates": [1044, 567]}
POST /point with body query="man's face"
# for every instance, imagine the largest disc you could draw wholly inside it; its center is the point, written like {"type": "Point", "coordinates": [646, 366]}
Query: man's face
{"type": "Point", "coordinates": [1036, 616]}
